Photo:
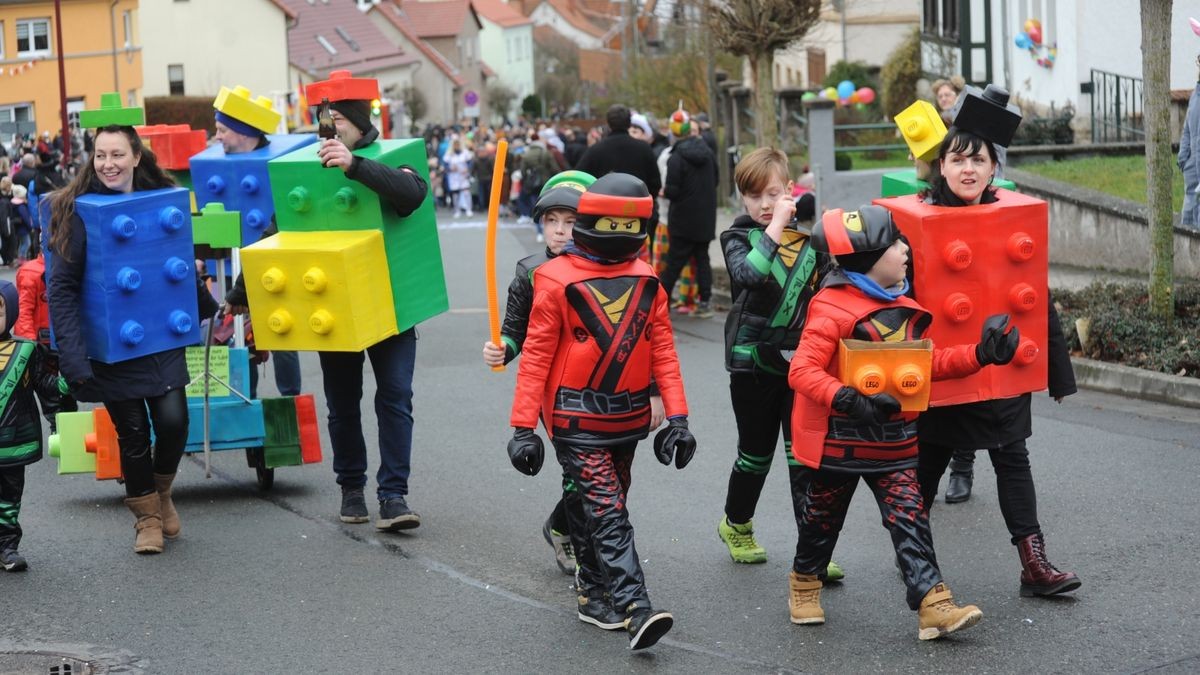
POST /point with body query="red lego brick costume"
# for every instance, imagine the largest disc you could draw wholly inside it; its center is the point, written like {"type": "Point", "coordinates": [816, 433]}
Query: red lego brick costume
{"type": "Point", "coordinates": [599, 331]}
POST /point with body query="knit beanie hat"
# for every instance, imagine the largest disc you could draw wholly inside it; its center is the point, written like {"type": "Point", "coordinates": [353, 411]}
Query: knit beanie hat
{"type": "Point", "coordinates": [357, 112]}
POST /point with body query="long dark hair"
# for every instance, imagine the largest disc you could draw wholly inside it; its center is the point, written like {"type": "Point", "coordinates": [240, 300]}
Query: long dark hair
{"type": "Point", "coordinates": [147, 175]}
{"type": "Point", "coordinates": [964, 143]}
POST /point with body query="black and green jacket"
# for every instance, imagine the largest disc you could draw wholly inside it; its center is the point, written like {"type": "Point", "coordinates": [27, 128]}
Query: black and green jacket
{"type": "Point", "coordinates": [771, 285]}
{"type": "Point", "coordinates": [520, 302]}
{"type": "Point", "coordinates": [22, 371]}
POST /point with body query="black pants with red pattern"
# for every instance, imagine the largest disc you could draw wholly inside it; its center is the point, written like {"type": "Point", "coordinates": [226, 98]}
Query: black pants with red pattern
{"type": "Point", "coordinates": [600, 528]}
{"type": "Point", "coordinates": [899, 498]}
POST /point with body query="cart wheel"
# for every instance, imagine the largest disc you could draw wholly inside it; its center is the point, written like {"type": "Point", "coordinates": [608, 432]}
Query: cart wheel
{"type": "Point", "coordinates": [266, 478]}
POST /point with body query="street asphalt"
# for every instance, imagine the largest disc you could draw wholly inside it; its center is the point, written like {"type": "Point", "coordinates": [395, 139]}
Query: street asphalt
{"type": "Point", "coordinates": [272, 582]}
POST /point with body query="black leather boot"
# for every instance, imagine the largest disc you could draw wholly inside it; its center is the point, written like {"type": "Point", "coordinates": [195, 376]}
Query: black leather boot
{"type": "Point", "coordinates": [962, 474]}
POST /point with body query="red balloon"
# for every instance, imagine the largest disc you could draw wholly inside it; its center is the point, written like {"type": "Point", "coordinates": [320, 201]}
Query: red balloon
{"type": "Point", "coordinates": [1035, 35]}
{"type": "Point", "coordinates": [866, 95]}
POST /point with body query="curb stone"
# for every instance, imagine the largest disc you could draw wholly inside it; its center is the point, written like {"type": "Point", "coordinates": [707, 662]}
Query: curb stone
{"type": "Point", "coordinates": [1147, 385]}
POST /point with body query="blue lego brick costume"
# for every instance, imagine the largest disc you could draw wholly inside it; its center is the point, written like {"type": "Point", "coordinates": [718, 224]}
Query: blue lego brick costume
{"type": "Point", "coordinates": [240, 181]}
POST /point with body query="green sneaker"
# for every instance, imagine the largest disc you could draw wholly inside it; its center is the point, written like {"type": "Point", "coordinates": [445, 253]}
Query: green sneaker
{"type": "Point", "coordinates": [740, 540]}
{"type": "Point", "coordinates": [834, 572]}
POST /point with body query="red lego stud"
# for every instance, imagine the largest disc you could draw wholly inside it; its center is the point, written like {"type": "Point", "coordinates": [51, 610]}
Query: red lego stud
{"type": "Point", "coordinates": [341, 87]}
{"type": "Point", "coordinates": [1020, 247]}
{"type": "Point", "coordinates": [957, 255]}
{"type": "Point", "coordinates": [1022, 297]}
{"type": "Point", "coordinates": [1027, 352]}
{"type": "Point", "coordinates": [958, 307]}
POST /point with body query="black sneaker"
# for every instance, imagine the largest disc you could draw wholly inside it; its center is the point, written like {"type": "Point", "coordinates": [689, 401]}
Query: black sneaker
{"type": "Point", "coordinates": [354, 506]}
{"type": "Point", "coordinates": [12, 561]}
{"type": "Point", "coordinates": [596, 608]}
{"type": "Point", "coordinates": [394, 515]}
{"type": "Point", "coordinates": [646, 626]}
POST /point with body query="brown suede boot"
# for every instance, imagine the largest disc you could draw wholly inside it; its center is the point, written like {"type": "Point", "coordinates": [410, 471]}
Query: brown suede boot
{"type": "Point", "coordinates": [940, 616]}
{"type": "Point", "coordinates": [804, 599]}
{"type": "Point", "coordinates": [170, 517]}
{"type": "Point", "coordinates": [1038, 576]}
{"type": "Point", "coordinates": [149, 523]}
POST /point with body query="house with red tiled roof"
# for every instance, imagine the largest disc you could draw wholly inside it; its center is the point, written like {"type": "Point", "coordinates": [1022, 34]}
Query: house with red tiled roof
{"type": "Point", "coordinates": [506, 42]}
{"type": "Point", "coordinates": [338, 36]}
{"type": "Point", "coordinates": [195, 48]}
{"type": "Point", "coordinates": [443, 35]}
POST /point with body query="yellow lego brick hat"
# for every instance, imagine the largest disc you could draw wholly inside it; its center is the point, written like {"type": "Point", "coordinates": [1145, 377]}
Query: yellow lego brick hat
{"type": "Point", "coordinates": [923, 130]}
{"type": "Point", "coordinates": [247, 117]}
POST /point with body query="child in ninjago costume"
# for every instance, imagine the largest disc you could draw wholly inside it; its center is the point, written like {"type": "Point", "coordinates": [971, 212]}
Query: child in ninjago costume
{"type": "Point", "coordinates": [846, 435]}
{"type": "Point", "coordinates": [22, 373]}
{"type": "Point", "coordinates": [599, 330]}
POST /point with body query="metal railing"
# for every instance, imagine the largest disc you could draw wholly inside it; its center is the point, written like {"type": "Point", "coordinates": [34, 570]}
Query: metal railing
{"type": "Point", "coordinates": [1117, 107]}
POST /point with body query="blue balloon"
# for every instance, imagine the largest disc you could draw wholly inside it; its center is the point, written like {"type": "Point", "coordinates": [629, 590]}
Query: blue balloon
{"type": "Point", "coordinates": [1023, 41]}
{"type": "Point", "coordinates": [845, 89]}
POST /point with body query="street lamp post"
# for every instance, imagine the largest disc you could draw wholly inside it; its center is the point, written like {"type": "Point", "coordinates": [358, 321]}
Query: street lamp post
{"type": "Point", "coordinates": [62, 86]}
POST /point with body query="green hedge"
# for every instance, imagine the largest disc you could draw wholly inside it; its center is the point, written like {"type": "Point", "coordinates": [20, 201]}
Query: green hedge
{"type": "Point", "coordinates": [194, 111]}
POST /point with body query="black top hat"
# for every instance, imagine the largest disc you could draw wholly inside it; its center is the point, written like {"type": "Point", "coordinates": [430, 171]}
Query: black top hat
{"type": "Point", "coordinates": [987, 114]}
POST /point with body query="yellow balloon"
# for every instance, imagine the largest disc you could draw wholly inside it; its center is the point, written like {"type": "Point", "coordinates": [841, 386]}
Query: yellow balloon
{"type": "Point", "coordinates": [831, 93]}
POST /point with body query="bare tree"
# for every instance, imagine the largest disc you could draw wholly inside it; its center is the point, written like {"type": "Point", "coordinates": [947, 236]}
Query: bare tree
{"type": "Point", "coordinates": [1156, 75]}
{"type": "Point", "coordinates": [500, 96]}
{"type": "Point", "coordinates": [755, 29]}
{"type": "Point", "coordinates": [414, 104]}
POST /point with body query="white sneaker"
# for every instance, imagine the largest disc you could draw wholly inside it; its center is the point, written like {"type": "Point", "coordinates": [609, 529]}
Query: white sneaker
{"type": "Point", "coordinates": [470, 213]}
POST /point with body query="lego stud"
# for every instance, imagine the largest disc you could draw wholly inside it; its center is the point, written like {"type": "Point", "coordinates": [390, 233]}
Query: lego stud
{"type": "Point", "coordinates": [1022, 297]}
{"type": "Point", "coordinates": [1020, 247]}
{"type": "Point", "coordinates": [957, 255]}
{"type": "Point", "coordinates": [176, 269]}
{"type": "Point", "coordinates": [274, 280]}
{"type": "Point", "coordinates": [299, 200]}
{"type": "Point", "coordinates": [128, 279]}
{"type": "Point", "coordinates": [216, 185]}
{"type": "Point", "coordinates": [958, 307]}
{"type": "Point", "coordinates": [55, 444]}
{"type": "Point", "coordinates": [1027, 352]}
{"type": "Point", "coordinates": [869, 379]}
{"type": "Point", "coordinates": [345, 200]}
{"type": "Point", "coordinates": [180, 322]}
{"type": "Point", "coordinates": [241, 91]}
{"type": "Point", "coordinates": [91, 442]}
{"type": "Point", "coordinates": [315, 280]}
{"type": "Point", "coordinates": [250, 185]}
{"type": "Point", "coordinates": [280, 322]}
{"type": "Point", "coordinates": [171, 219]}
{"type": "Point", "coordinates": [123, 227]}
{"type": "Point", "coordinates": [256, 219]}
{"type": "Point", "coordinates": [321, 322]}
{"type": "Point", "coordinates": [917, 129]}
{"type": "Point", "coordinates": [908, 378]}
{"type": "Point", "coordinates": [132, 333]}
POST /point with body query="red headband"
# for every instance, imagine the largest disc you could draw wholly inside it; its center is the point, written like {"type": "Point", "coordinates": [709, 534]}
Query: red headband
{"type": "Point", "coordinates": [835, 233]}
{"type": "Point", "coordinates": [595, 204]}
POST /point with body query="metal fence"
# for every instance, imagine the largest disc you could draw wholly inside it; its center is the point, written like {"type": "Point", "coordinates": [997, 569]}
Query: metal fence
{"type": "Point", "coordinates": [1117, 107]}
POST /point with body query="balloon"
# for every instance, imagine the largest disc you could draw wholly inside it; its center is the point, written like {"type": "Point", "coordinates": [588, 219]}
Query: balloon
{"type": "Point", "coordinates": [854, 97]}
{"type": "Point", "coordinates": [1022, 41]}
{"type": "Point", "coordinates": [845, 88]}
{"type": "Point", "coordinates": [866, 95]}
{"type": "Point", "coordinates": [860, 106]}
{"type": "Point", "coordinates": [823, 94]}
{"type": "Point", "coordinates": [808, 96]}
{"type": "Point", "coordinates": [1195, 26]}
{"type": "Point", "coordinates": [831, 93]}
{"type": "Point", "coordinates": [843, 101]}
{"type": "Point", "coordinates": [1035, 36]}
{"type": "Point", "coordinates": [1032, 25]}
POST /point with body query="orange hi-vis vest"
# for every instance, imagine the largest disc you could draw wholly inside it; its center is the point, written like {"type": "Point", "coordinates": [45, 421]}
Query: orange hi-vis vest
{"type": "Point", "coordinates": [598, 334]}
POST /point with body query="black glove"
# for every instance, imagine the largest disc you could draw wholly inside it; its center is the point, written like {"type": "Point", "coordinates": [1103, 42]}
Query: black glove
{"type": "Point", "coordinates": [525, 451]}
{"type": "Point", "coordinates": [675, 440]}
{"type": "Point", "coordinates": [863, 409]}
{"type": "Point", "coordinates": [996, 347]}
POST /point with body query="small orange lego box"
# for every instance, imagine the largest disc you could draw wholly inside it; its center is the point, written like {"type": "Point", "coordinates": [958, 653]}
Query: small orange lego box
{"type": "Point", "coordinates": [103, 443]}
{"type": "Point", "coordinates": [902, 369]}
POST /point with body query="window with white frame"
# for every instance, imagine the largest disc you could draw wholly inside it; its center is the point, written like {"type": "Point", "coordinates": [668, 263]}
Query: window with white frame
{"type": "Point", "coordinates": [128, 29]}
{"type": "Point", "coordinates": [1, 39]}
{"type": "Point", "coordinates": [175, 79]}
{"type": "Point", "coordinates": [18, 112]}
{"type": "Point", "coordinates": [33, 37]}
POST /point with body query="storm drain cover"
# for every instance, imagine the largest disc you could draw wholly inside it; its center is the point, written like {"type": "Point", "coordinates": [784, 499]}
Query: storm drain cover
{"type": "Point", "coordinates": [46, 663]}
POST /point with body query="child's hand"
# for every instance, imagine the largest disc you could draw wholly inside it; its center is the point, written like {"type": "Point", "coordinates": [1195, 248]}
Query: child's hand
{"type": "Point", "coordinates": [492, 354]}
{"type": "Point", "coordinates": [783, 212]}
{"type": "Point", "coordinates": [525, 451]}
{"type": "Point", "coordinates": [657, 412]}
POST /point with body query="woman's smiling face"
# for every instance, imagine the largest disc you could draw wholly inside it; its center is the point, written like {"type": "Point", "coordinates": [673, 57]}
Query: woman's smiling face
{"type": "Point", "coordinates": [114, 161]}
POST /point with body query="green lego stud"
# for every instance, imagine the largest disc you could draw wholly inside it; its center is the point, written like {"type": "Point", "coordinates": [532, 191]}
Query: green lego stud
{"type": "Point", "coordinates": [217, 227]}
{"type": "Point", "coordinates": [69, 443]}
{"type": "Point", "coordinates": [111, 113]}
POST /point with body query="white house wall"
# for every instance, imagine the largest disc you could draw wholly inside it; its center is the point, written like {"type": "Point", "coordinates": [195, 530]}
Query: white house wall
{"type": "Point", "coordinates": [247, 46]}
{"type": "Point", "coordinates": [509, 52]}
{"type": "Point", "coordinates": [545, 15]}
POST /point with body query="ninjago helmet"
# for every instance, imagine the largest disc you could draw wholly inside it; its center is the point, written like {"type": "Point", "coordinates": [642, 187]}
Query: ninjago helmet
{"type": "Point", "coordinates": [856, 238]}
{"type": "Point", "coordinates": [613, 217]}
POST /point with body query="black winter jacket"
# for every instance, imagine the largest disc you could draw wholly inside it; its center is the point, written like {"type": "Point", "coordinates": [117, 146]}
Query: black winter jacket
{"type": "Point", "coordinates": [520, 302]}
{"type": "Point", "coordinates": [143, 377]}
{"type": "Point", "coordinates": [765, 320]}
{"type": "Point", "coordinates": [621, 152]}
{"type": "Point", "coordinates": [691, 185]}
{"type": "Point", "coordinates": [20, 423]}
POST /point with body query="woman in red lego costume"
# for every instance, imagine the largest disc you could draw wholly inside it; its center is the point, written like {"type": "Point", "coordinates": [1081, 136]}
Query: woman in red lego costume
{"type": "Point", "coordinates": [967, 162]}
{"type": "Point", "coordinates": [598, 332]}
{"type": "Point", "coordinates": [121, 164]}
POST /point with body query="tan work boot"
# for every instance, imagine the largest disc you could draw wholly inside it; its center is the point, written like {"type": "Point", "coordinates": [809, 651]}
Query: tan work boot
{"type": "Point", "coordinates": [170, 517]}
{"type": "Point", "coordinates": [149, 523]}
{"type": "Point", "coordinates": [804, 599]}
{"type": "Point", "coordinates": [940, 616]}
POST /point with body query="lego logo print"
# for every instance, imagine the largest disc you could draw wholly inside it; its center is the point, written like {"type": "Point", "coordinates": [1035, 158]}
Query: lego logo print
{"type": "Point", "coordinates": [1020, 247]}
{"type": "Point", "coordinates": [957, 255]}
{"type": "Point", "coordinates": [1022, 297]}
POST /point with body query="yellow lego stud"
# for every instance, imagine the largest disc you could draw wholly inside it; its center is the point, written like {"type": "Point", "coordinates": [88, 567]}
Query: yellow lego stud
{"type": "Point", "coordinates": [923, 130]}
{"type": "Point", "coordinates": [320, 291]}
{"type": "Point", "coordinates": [258, 113]}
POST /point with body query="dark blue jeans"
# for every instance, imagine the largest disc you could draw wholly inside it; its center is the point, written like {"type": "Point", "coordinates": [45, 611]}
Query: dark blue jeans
{"type": "Point", "coordinates": [287, 374]}
{"type": "Point", "coordinates": [393, 361]}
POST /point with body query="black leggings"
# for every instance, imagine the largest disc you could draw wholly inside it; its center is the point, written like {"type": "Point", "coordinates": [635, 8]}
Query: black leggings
{"type": "Point", "coordinates": [762, 408]}
{"type": "Point", "coordinates": [1014, 483]}
{"type": "Point", "coordinates": [679, 252]}
{"type": "Point", "coordinates": [170, 419]}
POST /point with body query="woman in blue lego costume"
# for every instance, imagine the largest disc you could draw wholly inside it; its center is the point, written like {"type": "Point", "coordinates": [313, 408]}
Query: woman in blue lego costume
{"type": "Point", "coordinates": [128, 389]}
